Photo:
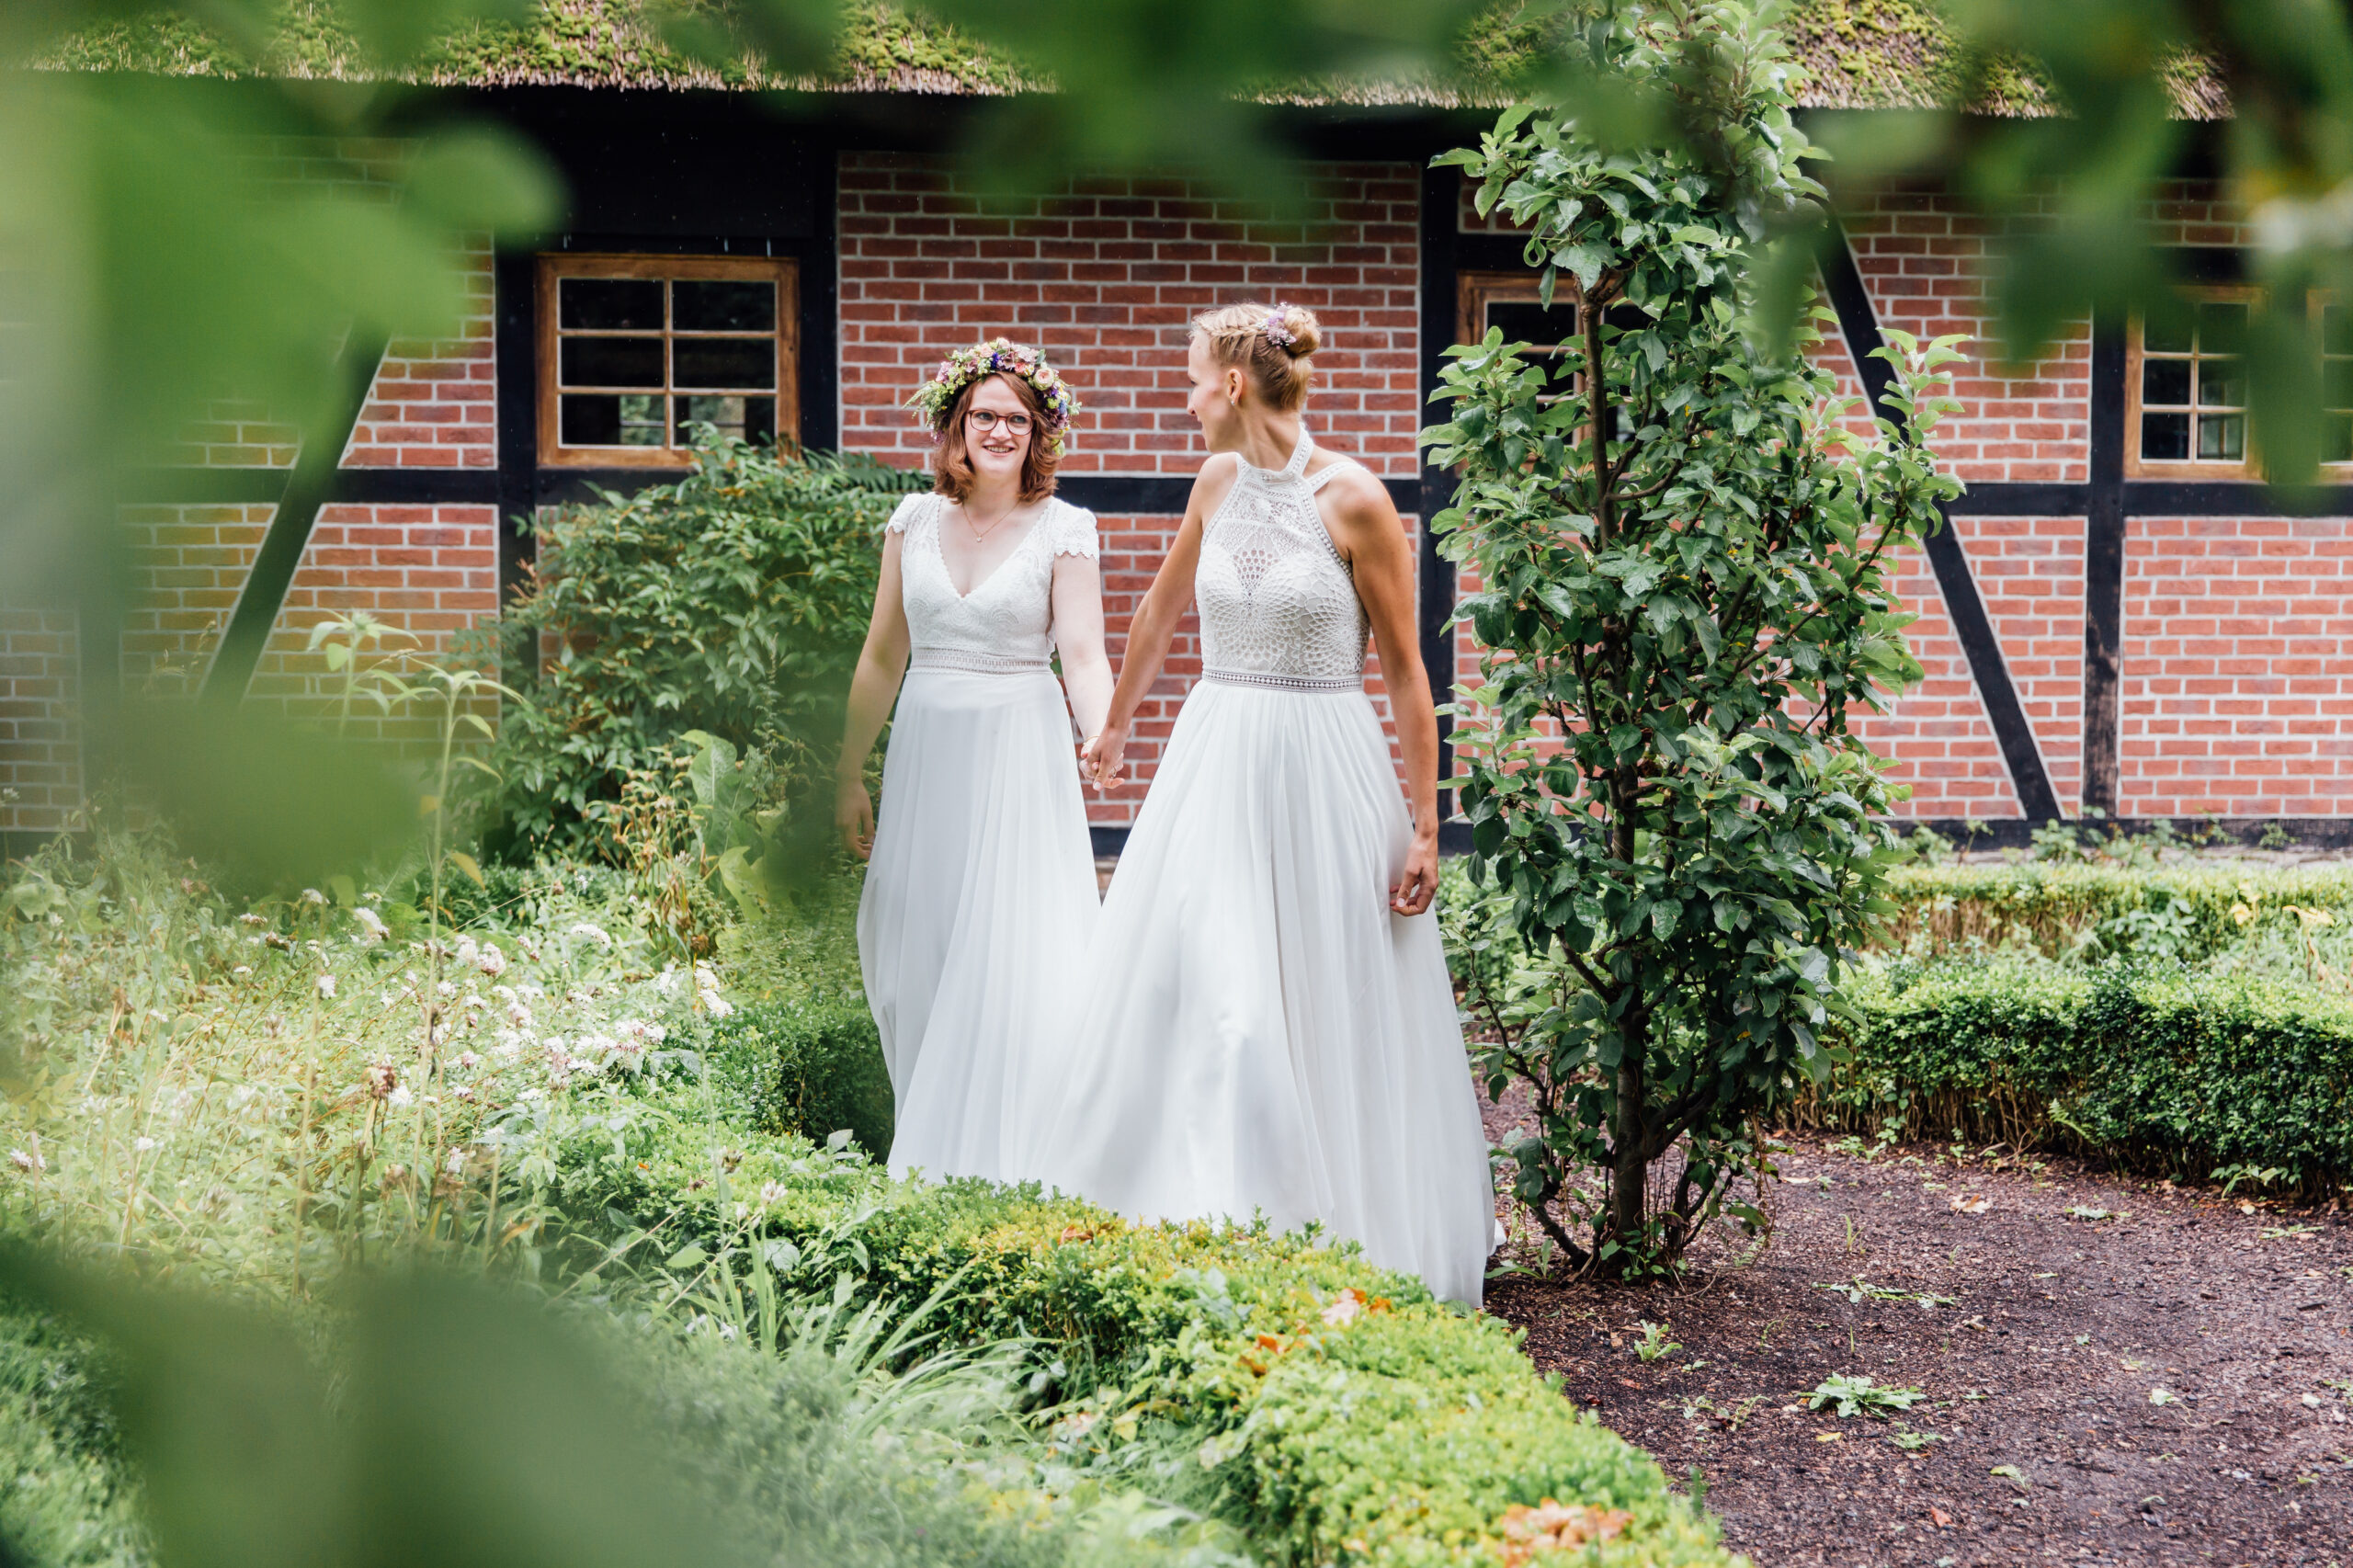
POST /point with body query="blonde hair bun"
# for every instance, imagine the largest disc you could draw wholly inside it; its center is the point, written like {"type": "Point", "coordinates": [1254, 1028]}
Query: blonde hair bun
{"type": "Point", "coordinates": [1270, 343]}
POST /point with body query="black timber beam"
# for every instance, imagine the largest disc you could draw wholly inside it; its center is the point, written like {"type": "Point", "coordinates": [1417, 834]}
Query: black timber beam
{"type": "Point", "coordinates": [307, 488]}
{"type": "Point", "coordinates": [1859, 324]}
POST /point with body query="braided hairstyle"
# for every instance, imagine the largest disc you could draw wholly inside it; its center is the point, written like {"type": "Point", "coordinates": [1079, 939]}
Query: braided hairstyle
{"type": "Point", "coordinates": [1270, 344]}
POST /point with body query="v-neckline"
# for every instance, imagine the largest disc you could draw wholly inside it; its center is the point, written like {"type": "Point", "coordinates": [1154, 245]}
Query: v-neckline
{"type": "Point", "coordinates": [940, 552]}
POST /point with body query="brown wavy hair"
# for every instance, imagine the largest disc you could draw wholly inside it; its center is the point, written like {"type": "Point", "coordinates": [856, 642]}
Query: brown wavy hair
{"type": "Point", "coordinates": [951, 464]}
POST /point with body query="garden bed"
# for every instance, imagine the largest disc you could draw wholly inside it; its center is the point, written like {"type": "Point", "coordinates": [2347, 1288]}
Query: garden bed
{"type": "Point", "coordinates": [2050, 1334]}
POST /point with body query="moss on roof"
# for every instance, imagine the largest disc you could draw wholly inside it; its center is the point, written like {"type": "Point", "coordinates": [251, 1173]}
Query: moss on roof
{"type": "Point", "coordinates": [1856, 54]}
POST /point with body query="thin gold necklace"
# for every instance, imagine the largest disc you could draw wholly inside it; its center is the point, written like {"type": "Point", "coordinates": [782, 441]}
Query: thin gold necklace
{"type": "Point", "coordinates": [980, 535]}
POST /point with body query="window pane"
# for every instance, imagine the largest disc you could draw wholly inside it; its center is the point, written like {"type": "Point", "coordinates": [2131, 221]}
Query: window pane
{"type": "Point", "coordinates": [607, 419]}
{"type": "Point", "coordinates": [2165, 438]}
{"type": "Point", "coordinates": [2337, 437]}
{"type": "Point", "coordinates": [2221, 437]}
{"type": "Point", "coordinates": [2221, 383]}
{"type": "Point", "coordinates": [1526, 321]}
{"type": "Point", "coordinates": [2337, 383]}
{"type": "Point", "coordinates": [589, 421]}
{"type": "Point", "coordinates": [610, 305]}
{"type": "Point", "coordinates": [724, 361]}
{"type": "Point", "coordinates": [2221, 326]}
{"type": "Point", "coordinates": [611, 362]}
{"type": "Point", "coordinates": [2166, 333]}
{"type": "Point", "coordinates": [727, 413]}
{"type": "Point", "coordinates": [2336, 329]}
{"type": "Point", "coordinates": [699, 306]}
{"type": "Point", "coordinates": [2164, 381]}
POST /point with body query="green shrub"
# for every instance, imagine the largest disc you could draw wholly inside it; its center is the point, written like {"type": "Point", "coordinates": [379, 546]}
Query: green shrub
{"type": "Point", "coordinates": [1344, 1413]}
{"type": "Point", "coordinates": [731, 602]}
{"type": "Point", "coordinates": [70, 1502]}
{"type": "Point", "coordinates": [2162, 1068]}
{"type": "Point", "coordinates": [810, 1067]}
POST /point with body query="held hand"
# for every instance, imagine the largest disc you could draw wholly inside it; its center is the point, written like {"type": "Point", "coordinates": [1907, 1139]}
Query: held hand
{"type": "Point", "coordinates": [854, 816]}
{"type": "Point", "coordinates": [1101, 757]}
{"type": "Point", "coordinates": [1418, 882]}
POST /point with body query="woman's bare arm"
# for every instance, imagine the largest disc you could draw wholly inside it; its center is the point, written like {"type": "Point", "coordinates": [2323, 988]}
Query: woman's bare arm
{"type": "Point", "coordinates": [1368, 530]}
{"type": "Point", "coordinates": [874, 686]}
{"type": "Point", "coordinates": [1157, 620]}
{"type": "Point", "coordinates": [1078, 638]}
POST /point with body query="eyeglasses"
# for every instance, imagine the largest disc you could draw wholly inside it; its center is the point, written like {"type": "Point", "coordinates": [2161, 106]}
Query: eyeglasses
{"type": "Point", "coordinates": [985, 420]}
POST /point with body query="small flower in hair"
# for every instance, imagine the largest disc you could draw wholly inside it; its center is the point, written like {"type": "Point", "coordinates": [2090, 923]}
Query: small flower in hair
{"type": "Point", "coordinates": [1277, 333]}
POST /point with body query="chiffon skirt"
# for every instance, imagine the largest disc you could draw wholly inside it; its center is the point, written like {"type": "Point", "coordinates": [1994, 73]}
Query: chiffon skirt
{"type": "Point", "coordinates": [980, 901]}
{"type": "Point", "coordinates": [1260, 1034]}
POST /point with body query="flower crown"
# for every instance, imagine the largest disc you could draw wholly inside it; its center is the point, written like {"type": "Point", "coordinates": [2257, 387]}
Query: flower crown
{"type": "Point", "coordinates": [999, 355]}
{"type": "Point", "coordinates": [1277, 329]}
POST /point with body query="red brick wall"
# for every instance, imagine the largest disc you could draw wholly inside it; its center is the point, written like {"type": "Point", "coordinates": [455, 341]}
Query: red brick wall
{"type": "Point", "coordinates": [431, 570]}
{"type": "Point", "coordinates": [40, 759]}
{"type": "Point", "coordinates": [1104, 276]}
{"type": "Point", "coordinates": [1923, 263]}
{"type": "Point", "coordinates": [2237, 683]}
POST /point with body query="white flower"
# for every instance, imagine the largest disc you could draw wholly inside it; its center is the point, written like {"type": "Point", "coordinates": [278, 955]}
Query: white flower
{"type": "Point", "coordinates": [242, 970]}
{"type": "Point", "coordinates": [314, 896]}
{"type": "Point", "coordinates": [469, 1061]}
{"type": "Point", "coordinates": [140, 1145]}
{"type": "Point", "coordinates": [726, 1331]}
{"type": "Point", "coordinates": [594, 932]}
{"type": "Point", "coordinates": [371, 924]}
{"type": "Point", "coordinates": [718, 1006]}
{"type": "Point", "coordinates": [456, 1164]}
{"type": "Point", "coordinates": [400, 1098]}
{"type": "Point", "coordinates": [326, 985]}
{"type": "Point", "coordinates": [445, 990]}
{"type": "Point", "coordinates": [774, 1192]}
{"type": "Point", "coordinates": [27, 1163]}
{"type": "Point", "coordinates": [531, 1094]}
{"type": "Point", "coordinates": [493, 961]}
{"type": "Point", "coordinates": [667, 981]}
{"type": "Point", "coordinates": [519, 1015]}
{"type": "Point", "coordinates": [467, 951]}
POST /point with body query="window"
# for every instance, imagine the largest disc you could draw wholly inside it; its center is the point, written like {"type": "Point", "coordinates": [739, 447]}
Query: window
{"type": "Point", "coordinates": [634, 351]}
{"type": "Point", "coordinates": [2336, 382]}
{"type": "Point", "coordinates": [1509, 300]}
{"type": "Point", "coordinates": [2186, 391]}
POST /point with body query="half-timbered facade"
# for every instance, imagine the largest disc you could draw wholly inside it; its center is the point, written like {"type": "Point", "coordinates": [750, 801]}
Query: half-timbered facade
{"type": "Point", "coordinates": [2119, 618]}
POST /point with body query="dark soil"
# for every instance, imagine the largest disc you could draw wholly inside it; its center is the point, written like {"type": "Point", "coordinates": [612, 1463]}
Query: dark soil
{"type": "Point", "coordinates": [2042, 1367]}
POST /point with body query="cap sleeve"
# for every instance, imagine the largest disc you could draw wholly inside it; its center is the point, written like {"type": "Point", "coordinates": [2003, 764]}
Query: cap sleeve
{"type": "Point", "coordinates": [906, 513]}
{"type": "Point", "coordinates": [1075, 532]}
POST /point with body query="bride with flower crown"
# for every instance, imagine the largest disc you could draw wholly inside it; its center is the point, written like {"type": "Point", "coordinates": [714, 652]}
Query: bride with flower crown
{"type": "Point", "coordinates": [980, 886]}
{"type": "Point", "coordinates": [1267, 1025]}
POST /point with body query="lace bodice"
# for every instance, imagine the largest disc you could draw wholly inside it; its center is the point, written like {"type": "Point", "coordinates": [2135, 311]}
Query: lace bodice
{"type": "Point", "coordinates": [1279, 607]}
{"type": "Point", "coordinates": [1008, 615]}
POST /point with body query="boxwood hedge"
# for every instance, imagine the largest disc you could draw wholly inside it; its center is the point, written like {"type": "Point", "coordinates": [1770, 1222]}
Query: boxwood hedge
{"type": "Point", "coordinates": [1350, 1417]}
{"type": "Point", "coordinates": [2160, 1067]}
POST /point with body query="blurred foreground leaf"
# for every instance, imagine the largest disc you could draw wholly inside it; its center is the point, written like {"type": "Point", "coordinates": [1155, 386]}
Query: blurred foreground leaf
{"type": "Point", "coordinates": [267, 801]}
{"type": "Point", "coordinates": [446, 1424]}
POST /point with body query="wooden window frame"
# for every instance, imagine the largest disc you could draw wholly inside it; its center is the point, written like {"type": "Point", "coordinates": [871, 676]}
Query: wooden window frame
{"type": "Point", "coordinates": [784, 271]}
{"type": "Point", "coordinates": [2250, 466]}
{"type": "Point", "coordinates": [1474, 291]}
{"type": "Point", "coordinates": [2317, 304]}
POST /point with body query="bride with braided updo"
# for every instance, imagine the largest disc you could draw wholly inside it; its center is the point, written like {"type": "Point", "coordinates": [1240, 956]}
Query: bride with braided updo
{"type": "Point", "coordinates": [1268, 1025]}
{"type": "Point", "coordinates": [980, 889]}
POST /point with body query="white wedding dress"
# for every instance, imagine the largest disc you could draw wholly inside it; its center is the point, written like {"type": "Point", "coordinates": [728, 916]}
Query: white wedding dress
{"type": "Point", "coordinates": [981, 889]}
{"type": "Point", "coordinates": [1260, 1032]}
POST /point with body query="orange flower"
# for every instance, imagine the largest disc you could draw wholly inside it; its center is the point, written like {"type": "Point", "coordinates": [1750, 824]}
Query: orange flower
{"type": "Point", "coordinates": [1075, 1233]}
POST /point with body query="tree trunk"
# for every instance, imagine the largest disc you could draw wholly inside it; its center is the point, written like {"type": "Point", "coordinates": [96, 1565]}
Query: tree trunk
{"type": "Point", "coordinates": [1628, 1171]}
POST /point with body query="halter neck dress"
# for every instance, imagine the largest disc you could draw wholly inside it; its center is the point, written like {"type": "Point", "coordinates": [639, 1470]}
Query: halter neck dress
{"type": "Point", "coordinates": [981, 889]}
{"type": "Point", "coordinates": [1260, 1034]}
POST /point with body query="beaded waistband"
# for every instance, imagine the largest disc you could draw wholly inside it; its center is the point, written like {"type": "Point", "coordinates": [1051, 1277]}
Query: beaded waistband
{"type": "Point", "coordinates": [975, 662]}
{"type": "Point", "coordinates": [1269, 682]}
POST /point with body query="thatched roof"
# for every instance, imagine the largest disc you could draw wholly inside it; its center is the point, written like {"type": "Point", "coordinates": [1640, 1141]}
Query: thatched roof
{"type": "Point", "coordinates": [1856, 53]}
